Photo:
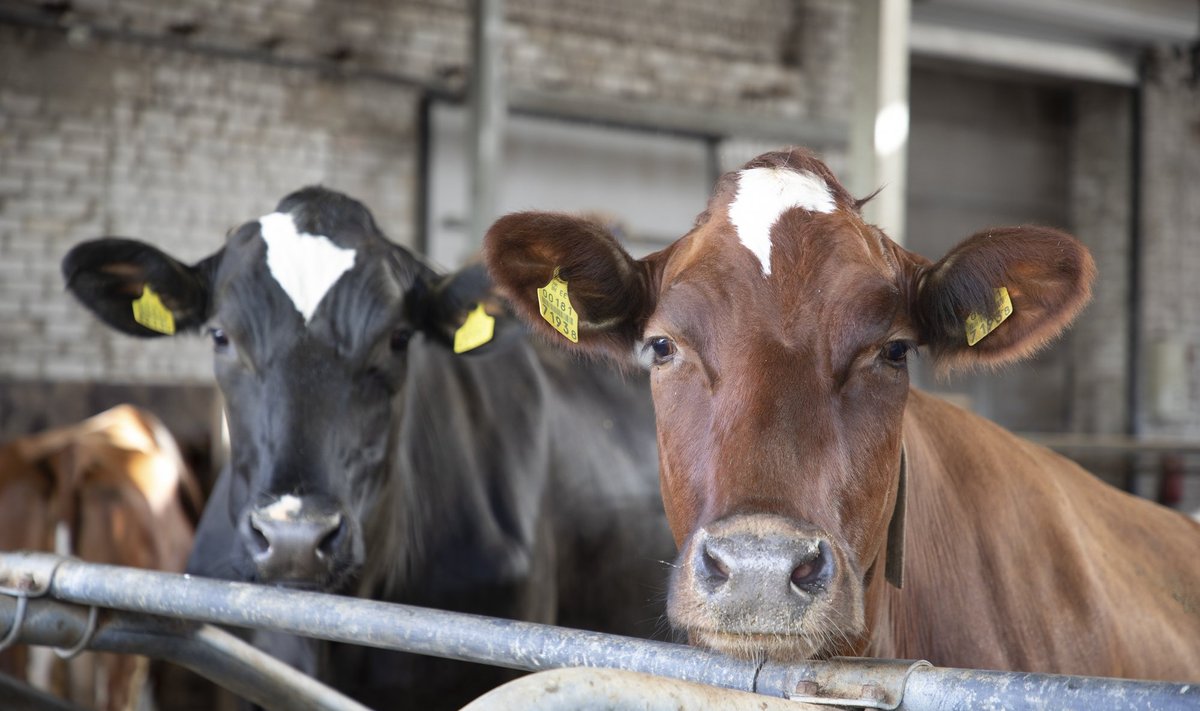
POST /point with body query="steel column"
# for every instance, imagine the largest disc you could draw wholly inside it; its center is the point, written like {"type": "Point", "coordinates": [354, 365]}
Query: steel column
{"type": "Point", "coordinates": [488, 105]}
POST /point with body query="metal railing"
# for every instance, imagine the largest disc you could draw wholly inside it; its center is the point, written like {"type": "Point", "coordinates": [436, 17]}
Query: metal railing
{"type": "Point", "coordinates": [869, 683]}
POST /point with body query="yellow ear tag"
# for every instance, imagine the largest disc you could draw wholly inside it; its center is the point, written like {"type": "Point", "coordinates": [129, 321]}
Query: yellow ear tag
{"type": "Point", "coordinates": [978, 326]}
{"type": "Point", "coordinates": [149, 311]}
{"type": "Point", "coordinates": [556, 308]}
{"type": "Point", "coordinates": [475, 331]}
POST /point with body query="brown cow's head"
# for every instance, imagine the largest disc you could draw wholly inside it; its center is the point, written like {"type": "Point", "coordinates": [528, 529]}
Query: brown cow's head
{"type": "Point", "coordinates": [777, 332]}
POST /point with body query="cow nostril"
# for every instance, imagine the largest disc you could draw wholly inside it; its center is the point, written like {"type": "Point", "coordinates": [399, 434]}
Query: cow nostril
{"type": "Point", "coordinates": [259, 543]}
{"type": "Point", "coordinates": [714, 568]}
{"type": "Point", "coordinates": [329, 541]}
{"type": "Point", "coordinates": [812, 572]}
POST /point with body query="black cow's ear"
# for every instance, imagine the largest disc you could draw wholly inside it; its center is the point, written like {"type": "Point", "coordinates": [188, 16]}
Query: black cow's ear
{"type": "Point", "coordinates": [570, 279]}
{"type": "Point", "coordinates": [460, 310]}
{"type": "Point", "coordinates": [1001, 295]}
{"type": "Point", "coordinates": [138, 289]}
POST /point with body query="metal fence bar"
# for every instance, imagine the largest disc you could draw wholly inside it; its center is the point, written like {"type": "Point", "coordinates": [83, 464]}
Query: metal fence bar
{"type": "Point", "coordinates": [19, 696]}
{"type": "Point", "coordinates": [505, 643]}
{"type": "Point", "coordinates": [886, 684]}
{"type": "Point", "coordinates": [204, 649]}
{"type": "Point", "coordinates": [604, 689]}
{"type": "Point", "coordinates": [977, 689]}
{"type": "Point", "coordinates": [520, 645]}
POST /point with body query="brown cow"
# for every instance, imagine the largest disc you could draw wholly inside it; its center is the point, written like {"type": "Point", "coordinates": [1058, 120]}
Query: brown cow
{"type": "Point", "coordinates": [111, 489]}
{"type": "Point", "coordinates": [777, 332]}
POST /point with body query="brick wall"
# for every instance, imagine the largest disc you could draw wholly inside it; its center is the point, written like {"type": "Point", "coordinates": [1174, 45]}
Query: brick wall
{"type": "Point", "coordinates": [174, 148]}
{"type": "Point", "coordinates": [172, 122]}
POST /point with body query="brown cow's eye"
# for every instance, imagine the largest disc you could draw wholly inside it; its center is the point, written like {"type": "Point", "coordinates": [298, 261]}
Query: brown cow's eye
{"type": "Point", "coordinates": [896, 352]}
{"type": "Point", "coordinates": [662, 348]}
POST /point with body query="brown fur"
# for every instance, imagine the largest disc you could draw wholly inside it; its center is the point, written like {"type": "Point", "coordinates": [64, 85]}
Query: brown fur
{"type": "Point", "coordinates": [781, 403]}
{"type": "Point", "coordinates": [117, 481]}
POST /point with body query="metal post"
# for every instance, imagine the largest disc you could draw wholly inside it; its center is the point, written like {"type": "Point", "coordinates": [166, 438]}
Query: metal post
{"type": "Point", "coordinates": [879, 129]}
{"type": "Point", "coordinates": [488, 105]}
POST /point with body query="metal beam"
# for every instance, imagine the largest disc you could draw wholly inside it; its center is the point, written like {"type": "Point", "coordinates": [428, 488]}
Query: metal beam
{"type": "Point", "coordinates": [1123, 21]}
{"type": "Point", "coordinates": [488, 105]}
{"type": "Point", "coordinates": [699, 122]}
{"type": "Point", "coordinates": [879, 132]}
{"type": "Point", "coordinates": [1050, 57]}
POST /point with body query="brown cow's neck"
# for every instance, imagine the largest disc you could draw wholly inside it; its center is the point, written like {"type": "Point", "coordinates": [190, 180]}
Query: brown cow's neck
{"type": "Point", "coordinates": [1018, 559]}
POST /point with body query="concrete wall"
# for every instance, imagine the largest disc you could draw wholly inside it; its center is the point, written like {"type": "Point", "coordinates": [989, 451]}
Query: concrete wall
{"type": "Point", "coordinates": [988, 150]}
{"type": "Point", "coordinates": [1100, 154]}
{"type": "Point", "coordinates": [1170, 244]}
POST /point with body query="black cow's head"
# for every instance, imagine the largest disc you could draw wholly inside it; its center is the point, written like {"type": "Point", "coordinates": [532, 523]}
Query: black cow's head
{"type": "Point", "coordinates": [311, 310]}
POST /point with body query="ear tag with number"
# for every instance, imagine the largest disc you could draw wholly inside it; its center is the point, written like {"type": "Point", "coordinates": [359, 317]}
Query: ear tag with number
{"type": "Point", "coordinates": [149, 311]}
{"type": "Point", "coordinates": [477, 330]}
{"type": "Point", "coordinates": [556, 308]}
{"type": "Point", "coordinates": [978, 326]}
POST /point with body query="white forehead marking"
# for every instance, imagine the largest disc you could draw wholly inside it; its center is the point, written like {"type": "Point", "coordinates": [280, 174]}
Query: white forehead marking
{"type": "Point", "coordinates": [287, 508]}
{"type": "Point", "coordinates": [306, 266]}
{"type": "Point", "coordinates": [766, 193]}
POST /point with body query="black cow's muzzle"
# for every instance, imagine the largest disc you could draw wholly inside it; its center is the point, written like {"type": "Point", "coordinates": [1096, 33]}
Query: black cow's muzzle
{"type": "Point", "coordinates": [299, 541]}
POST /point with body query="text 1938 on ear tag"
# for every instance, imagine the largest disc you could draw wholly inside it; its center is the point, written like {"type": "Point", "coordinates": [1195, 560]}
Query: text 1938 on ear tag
{"type": "Point", "coordinates": [978, 326]}
{"type": "Point", "coordinates": [556, 308]}
{"type": "Point", "coordinates": [149, 311]}
{"type": "Point", "coordinates": [477, 330]}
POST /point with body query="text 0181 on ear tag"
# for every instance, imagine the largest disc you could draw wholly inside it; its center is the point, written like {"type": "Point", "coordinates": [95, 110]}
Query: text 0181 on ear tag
{"type": "Point", "coordinates": [556, 308]}
{"type": "Point", "coordinates": [149, 311]}
{"type": "Point", "coordinates": [978, 326]}
{"type": "Point", "coordinates": [475, 331]}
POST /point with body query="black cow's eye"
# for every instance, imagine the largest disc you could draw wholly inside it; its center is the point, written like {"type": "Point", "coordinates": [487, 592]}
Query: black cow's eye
{"type": "Point", "coordinates": [662, 349]}
{"type": "Point", "coordinates": [400, 338]}
{"type": "Point", "coordinates": [896, 352]}
{"type": "Point", "coordinates": [219, 339]}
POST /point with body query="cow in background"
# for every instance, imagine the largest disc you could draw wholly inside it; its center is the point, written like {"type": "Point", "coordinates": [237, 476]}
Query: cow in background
{"type": "Point", "coordinates": [396, 435]}
{"type": "Point", "coordinates": [112, 489]}
{"type": "Point", "coordinates": [822, 506]}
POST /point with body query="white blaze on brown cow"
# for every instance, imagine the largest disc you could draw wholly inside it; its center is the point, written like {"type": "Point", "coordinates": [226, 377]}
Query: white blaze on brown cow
{"type": "Point", "coordinates": [763, 195]}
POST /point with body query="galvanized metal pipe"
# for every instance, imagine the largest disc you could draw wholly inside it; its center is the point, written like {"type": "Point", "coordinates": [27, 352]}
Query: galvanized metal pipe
{"type": "Point", "coordinates": [204, 649]}
{"type": "Point", "coordinates": [19, 696]}
{"type": "Point", "coordinates": [942, 689]}
{"type": "Point", "coordinates": [604, 689]}
{"type": "Point", "coordinates": [868, 683]}
{"type": "Point", "coordinates": [505, 643]}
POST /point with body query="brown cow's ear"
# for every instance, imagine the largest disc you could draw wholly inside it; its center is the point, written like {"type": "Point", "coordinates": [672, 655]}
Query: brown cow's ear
{"type": "Point", "coordinates": [610, 292]}
{"type": "Point", "coordinates": [1001, 295]}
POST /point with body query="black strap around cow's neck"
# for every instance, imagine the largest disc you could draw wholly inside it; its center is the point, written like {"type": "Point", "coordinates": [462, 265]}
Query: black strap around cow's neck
{"type": "Point", "coordinates": [893, 568]}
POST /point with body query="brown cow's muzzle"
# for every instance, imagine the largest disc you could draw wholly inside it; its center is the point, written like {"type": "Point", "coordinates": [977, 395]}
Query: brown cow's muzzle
{"type": "Point", "coordinates": [751, 585]}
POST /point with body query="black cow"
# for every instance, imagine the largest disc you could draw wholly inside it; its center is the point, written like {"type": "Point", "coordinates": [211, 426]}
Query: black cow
{"type": "Point", "coordinates": [369, 458]}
